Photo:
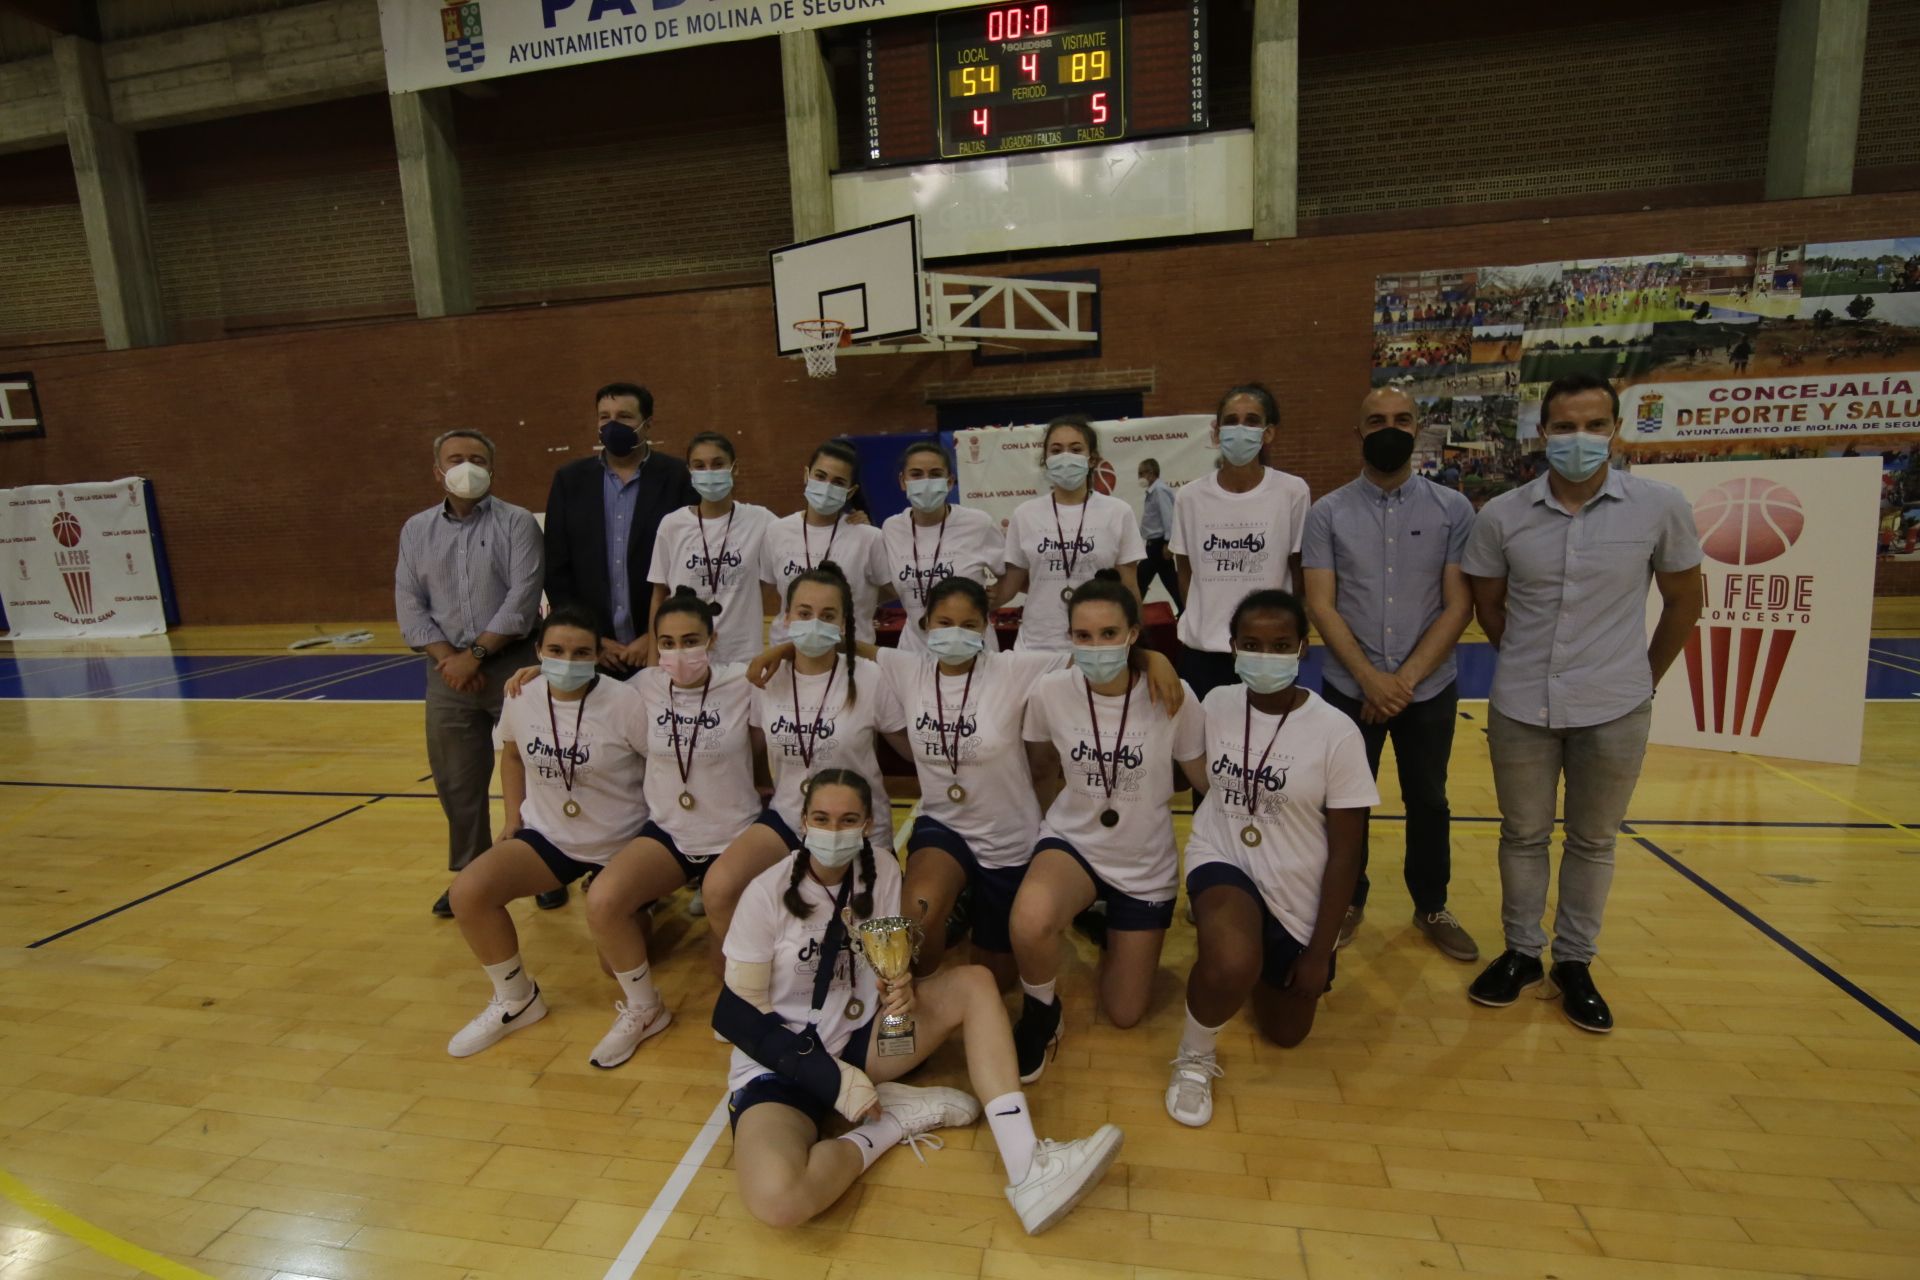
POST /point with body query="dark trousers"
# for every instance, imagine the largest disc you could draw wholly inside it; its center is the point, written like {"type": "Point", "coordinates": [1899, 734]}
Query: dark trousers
{"type": "Point", "coordinates": [1422, 742]}
{"type": "Point", "coordinates": [1159, 564]}
{"type": "Point", "coordinates": [1204, 671]}
{"type": "Point", "coordinates": [460, 750]}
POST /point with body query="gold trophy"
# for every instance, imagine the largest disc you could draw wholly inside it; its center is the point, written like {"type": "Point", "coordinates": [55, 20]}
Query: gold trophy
{"type": "Point", "coordinates": [888, 945]}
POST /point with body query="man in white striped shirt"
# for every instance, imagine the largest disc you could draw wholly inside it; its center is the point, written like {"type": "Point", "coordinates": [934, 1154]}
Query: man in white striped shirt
{"type": "Point", "coordinates": [467, 593]}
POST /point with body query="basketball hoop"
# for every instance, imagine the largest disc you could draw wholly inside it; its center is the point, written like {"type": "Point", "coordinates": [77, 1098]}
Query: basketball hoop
{"type": "Point", "coordinates": [820, 340]}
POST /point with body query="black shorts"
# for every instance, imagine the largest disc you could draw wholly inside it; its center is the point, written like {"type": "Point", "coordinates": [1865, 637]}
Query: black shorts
{"type": "Point", "coordinates": [693, 867]}
{"type": "Point", "coordinates": [566, 869]}
{"type": "Point", "coordinates": [1278, 948]}
{"type": "Point", "coordinates": [993, 887]}
{"type": "Point", "coordinates": [772, 821]}
{"type": "Point", "coordinates": [1204, 670]}
{"type": "Point", "coordinates": [1125, 913]}
{"type": "Point", "coordinates": [774, 1087]}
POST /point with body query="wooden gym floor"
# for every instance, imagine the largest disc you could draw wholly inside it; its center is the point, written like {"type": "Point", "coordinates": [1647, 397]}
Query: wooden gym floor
{"type": "Point", "coordinates": [224, 1009]}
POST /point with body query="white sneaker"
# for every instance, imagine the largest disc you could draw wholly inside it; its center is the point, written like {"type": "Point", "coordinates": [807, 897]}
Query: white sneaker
{"type": "Point", "coordinates": [496, 1022]}
{"type": "Point", "coordinates": [1190, 1092]}
{"type": "Point", "coordinates": [696, 905]}
{"type": "Point", "coordinates": [1061, 1176]}
{"type": "Point", "coordinates": [630, 1027]}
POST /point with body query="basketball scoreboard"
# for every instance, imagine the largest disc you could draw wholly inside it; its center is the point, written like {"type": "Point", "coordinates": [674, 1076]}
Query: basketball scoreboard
{"type": "Point", "coordinates": [1031, 76]}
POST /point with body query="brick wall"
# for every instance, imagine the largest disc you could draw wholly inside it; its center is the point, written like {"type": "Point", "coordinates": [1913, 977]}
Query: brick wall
{"type": "Point", "coordinates": [284, 463]}
{"type": "Point", "coordinates": [46, 284]}
{"type": "Point", "coordinates": [1889, 91]}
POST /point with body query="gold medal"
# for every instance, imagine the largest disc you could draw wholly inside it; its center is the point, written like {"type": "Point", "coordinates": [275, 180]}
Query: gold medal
{"type": "Point", "coordinates": [956, 793]}
{"type": "Point", "coordinates": [1110, 817]}
{"type": "Point", "coordinates": [686, 800]}
{"type": "Point", "coordinates": [571, 808]}
{"type": "Point", "coordinates": [855, 1007]}
{"type": "Point", "coordinates": [1250, 836]}
{"type": "Point", "coordinates": [1066, 593]}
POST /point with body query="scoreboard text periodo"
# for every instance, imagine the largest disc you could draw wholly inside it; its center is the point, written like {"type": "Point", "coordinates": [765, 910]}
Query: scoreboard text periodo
{"type": "Point", "coordinates": [1017, 77]}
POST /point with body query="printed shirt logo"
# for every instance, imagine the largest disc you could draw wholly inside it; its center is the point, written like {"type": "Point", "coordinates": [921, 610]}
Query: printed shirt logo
{"type": "Point", "coordinates": [1235, 554]}
{"type": "Point", "coordinates": [460, 27]}
{"type": "Point", "coordinates": [1230, 779]}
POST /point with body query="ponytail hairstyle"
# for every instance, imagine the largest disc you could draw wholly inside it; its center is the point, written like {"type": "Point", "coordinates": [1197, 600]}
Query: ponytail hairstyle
{"type": "Point", "coordinates": [862, 902]}
{"type": "Point", "coordinates": [1105, 585]}
{"type": "Point", "coordinates": [829, 574]}
{"type": "Point", "coordinates": [957, 586]}
{"type": "Point", "coordinates": [683, 600]}
{"type": "Point", "coordinates": [724, 444]}
{"type": "Point", "coordinates": [1071, 422]}
{"type": "Point", "coordinates": [1269, 408]}
{"type": "Point", "coordinates": [839, 451]}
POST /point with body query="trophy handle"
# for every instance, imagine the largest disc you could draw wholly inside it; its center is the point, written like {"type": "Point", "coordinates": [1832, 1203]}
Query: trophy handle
{"type": "Point", "coordinates": [853, 934]}
{"type": "Point", "coordinates": [919, 935]}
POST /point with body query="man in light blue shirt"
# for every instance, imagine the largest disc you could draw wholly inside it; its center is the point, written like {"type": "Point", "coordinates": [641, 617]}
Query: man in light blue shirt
{"type": "Point", "coordinates": [1156, 526]}
{"type": "Point", "coordinates": [1381, 558]}
{"type": "Point", "coordinates": [1560, 569]}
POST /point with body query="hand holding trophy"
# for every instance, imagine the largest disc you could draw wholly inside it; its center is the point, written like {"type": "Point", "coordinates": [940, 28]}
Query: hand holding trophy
{"type": "Point", "coordinates": [888, 945]}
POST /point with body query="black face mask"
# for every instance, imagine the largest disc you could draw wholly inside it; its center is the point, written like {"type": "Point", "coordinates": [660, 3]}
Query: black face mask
{"type": "Point", "coordinates": [619, 439]}
{"type": "Point", "coordinates": [1387, 449]}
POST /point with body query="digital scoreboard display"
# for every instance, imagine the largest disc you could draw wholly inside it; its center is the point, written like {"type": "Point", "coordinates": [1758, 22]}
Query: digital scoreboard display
{"type": "Point", "coordinates": [1021, 76]}
{"type": "Point", "coordinates": [1030, 76]}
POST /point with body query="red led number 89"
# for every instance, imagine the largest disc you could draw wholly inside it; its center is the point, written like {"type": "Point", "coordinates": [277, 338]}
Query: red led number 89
{"type": "Point", "coordinates": [1012, 24]}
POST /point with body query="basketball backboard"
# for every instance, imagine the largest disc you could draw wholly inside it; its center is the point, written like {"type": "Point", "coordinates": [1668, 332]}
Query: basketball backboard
{"type": "Point", "coordinates": [868, 279]}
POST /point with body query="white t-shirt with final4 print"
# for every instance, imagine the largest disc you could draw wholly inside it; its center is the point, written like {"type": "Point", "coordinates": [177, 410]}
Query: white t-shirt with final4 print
{"type": "Point", "coordinates": [791, 546]}
{"type": "Point", "coordinates": [715, 734]}
{"type": "Point", "coordinates": [604, 759]}
{"type": "Point", "coordinates": [1318, 762]}
{"type": "Point", "coordinates": [1035, 542]}
{"type": "Point", "coordinates": [1136, 856]}
{"type": "Point", "coordinates": [838, 736]}
{"type": "Point", "coordinates": [765, 932]}
{"type": "Point", "coordinates": [1234, 543]}
{"type": "Point", "coordinates": [1000, 813]}
{"type": "Point", "coordinates": [686, 554]}
{"type": "Point", "coordinates": [970, 545]}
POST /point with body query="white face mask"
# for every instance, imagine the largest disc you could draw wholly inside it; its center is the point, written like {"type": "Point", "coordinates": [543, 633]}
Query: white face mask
{"type": "Point", "coordinates": [468, 480]}
{"type": "Point", "coordinates": [928, 493]}
{"type": "Point", "coordinates": [1239, 444]}
{"type": "Point", "coordinates": [1068, 470]}
{"type": "Point", "coordinates": [835, 848]}
{"type": "Point", "coordinates": [825, 497]}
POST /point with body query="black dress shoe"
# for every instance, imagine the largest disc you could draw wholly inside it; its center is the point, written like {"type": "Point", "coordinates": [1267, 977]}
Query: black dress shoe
{"type": "Point", "coordinates": [443, 907]}
{"type": "Point", "coordinates": [1583, 1006]}
{"type": "Point", "coordinates": [1501, 982]}
{"type": "Point", "coordinates": [551, 901]}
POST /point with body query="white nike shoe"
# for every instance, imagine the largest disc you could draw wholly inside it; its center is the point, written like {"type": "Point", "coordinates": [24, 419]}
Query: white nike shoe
{"type": "Point", "coordinates": [697, 904]}
{"type": "Point", "coordinates": [1190, 1092]}
{"type": "Point", "coordinates": [496, 1022]}
{"type": "Point", "coordinates": [921, 1110]}
{"type": "Point", "coordinates": [1062, 1175]}
{"type": "Point", "coordinates": [630, 1027]}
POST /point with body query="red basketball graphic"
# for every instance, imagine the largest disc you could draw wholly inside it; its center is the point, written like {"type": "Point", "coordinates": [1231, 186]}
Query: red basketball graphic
{"type": "Point", "coordinates": [1104, 477]}
{"type": "Point", "coordinates": [66, 529]}
{"type": "Point", "coordinates": [1748, 520]}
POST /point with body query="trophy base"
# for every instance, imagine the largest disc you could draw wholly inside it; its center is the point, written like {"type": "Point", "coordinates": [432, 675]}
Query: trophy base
{"type": "Point", "coordinates": [891, 1043]}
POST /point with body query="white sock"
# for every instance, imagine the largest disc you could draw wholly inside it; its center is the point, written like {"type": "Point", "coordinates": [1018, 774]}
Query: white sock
{"type": "Point", "coordinates": [638, 985]}
{"type": "Point", "coordinates": [1012, 1125]}
{"type": "Point", "coordinates": [874, 1137]}
{"type": "Point", "coordinates": [1198, 1040]}
{"type": "Point", "coordinates": [511, 981]}
{"type": "Point", "coordinates": [1041, 991]}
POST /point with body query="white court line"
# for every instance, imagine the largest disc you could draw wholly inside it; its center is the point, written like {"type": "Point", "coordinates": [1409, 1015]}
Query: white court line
{"type": "Point", "coordinates": [635, 1251]}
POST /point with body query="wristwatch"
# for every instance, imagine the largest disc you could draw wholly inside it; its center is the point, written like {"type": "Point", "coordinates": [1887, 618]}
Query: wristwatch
{"type": "Point", "coordinates": [479, 651]}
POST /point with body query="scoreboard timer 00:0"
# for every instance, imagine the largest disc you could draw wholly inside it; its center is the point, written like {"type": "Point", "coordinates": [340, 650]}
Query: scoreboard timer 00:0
{"type": "Point", "coordinates": [1025, 76]}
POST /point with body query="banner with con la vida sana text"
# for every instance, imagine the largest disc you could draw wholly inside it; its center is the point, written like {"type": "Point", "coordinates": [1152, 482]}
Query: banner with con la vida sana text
{"type": "Point", "coordinates": [430, 43]}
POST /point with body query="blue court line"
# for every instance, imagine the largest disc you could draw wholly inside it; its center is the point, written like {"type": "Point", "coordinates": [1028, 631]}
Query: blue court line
{"type": "Point", "coordinates": [198, 875]}
{"type": "Point", "coordinates": [176, 678]}
{"type": "Point", "coordinates": [309, 684]}
{"type": "Point", "coordinates": [1860, 995]}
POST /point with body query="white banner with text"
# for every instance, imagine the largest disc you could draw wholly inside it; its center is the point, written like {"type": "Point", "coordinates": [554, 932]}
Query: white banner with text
{"type": "Point", "coordinates": [1001, 467]}
{"type": "Point", "coordinates": [79, 561]}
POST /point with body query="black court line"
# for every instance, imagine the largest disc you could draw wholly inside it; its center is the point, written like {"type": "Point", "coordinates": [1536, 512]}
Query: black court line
{"type": "Point", "coordinates": [1860, 995]}
{"type": "Point", "coordinates": [219, 791]}
{"type": "Point", "coordinates": [198, 875]}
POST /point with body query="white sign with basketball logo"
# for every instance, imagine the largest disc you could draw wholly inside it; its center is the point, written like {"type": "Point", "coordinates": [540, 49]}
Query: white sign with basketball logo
{"type": "Point", "coordinates": [1778, 663]}
{"type": "Point", "coordinates": [1001, 467]}
{"type": "Point", "coordinates": [79, 561]}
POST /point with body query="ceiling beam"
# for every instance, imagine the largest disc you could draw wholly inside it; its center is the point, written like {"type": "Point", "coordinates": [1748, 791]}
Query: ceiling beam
{"type": "Point", "coordinates": [62, 17]}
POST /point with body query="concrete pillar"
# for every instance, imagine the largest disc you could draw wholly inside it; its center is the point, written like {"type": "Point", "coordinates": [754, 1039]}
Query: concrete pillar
{"type": "Point", "coordinates": [113, 200]}
{"type": "Point", "coordinates": [1276, 119]}
{"type": "Point", "coordinates": [813, 143]}
{"type": "Point", "coordinates": [1819, 63]}
{"type": "Point", "coordinates": [435, 208]}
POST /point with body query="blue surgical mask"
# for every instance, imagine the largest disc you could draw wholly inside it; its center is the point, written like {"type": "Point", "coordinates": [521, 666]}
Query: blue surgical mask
{"type": "Point", "coordinates": [813, 637]}
{"type": "Point", "coordinates": [1100, 663]}
{"type": "Point", "coordinates": [1067, 470]}
{"type": "Point", "coordinates": [564, 674]}
{"type": "Point", "coordinates": [928, 493]}
{"type": "Point", "coordinates": [1240, 445]}
{"type": "Point", "coordinates": [825, 498]}
{"type": "Point", "coordinates": [1266, 672]}
{"type": "Point", "coordinates": [1578, 455]}
{"type": "Point", "coordinates": [835, 848]}
{"type": "Point", "coordinates": [714, 486]}
{"type": "Point", "coordinates": [955, 644]}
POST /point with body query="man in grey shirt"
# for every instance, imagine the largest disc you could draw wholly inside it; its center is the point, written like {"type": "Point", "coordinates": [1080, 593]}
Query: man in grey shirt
{"type": "Point", "coordinates": [1385, 591]}
{"type": "Point", "coordinates": [466, 590]}
{"type": "Point", "coordinates": [1156, 526]}
{"type": "Point", "coordinates": [1560, 569]}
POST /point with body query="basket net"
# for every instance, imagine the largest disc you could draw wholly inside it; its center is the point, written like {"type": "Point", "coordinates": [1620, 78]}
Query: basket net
{"type": "Point", "coordinates": [821, 341]}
